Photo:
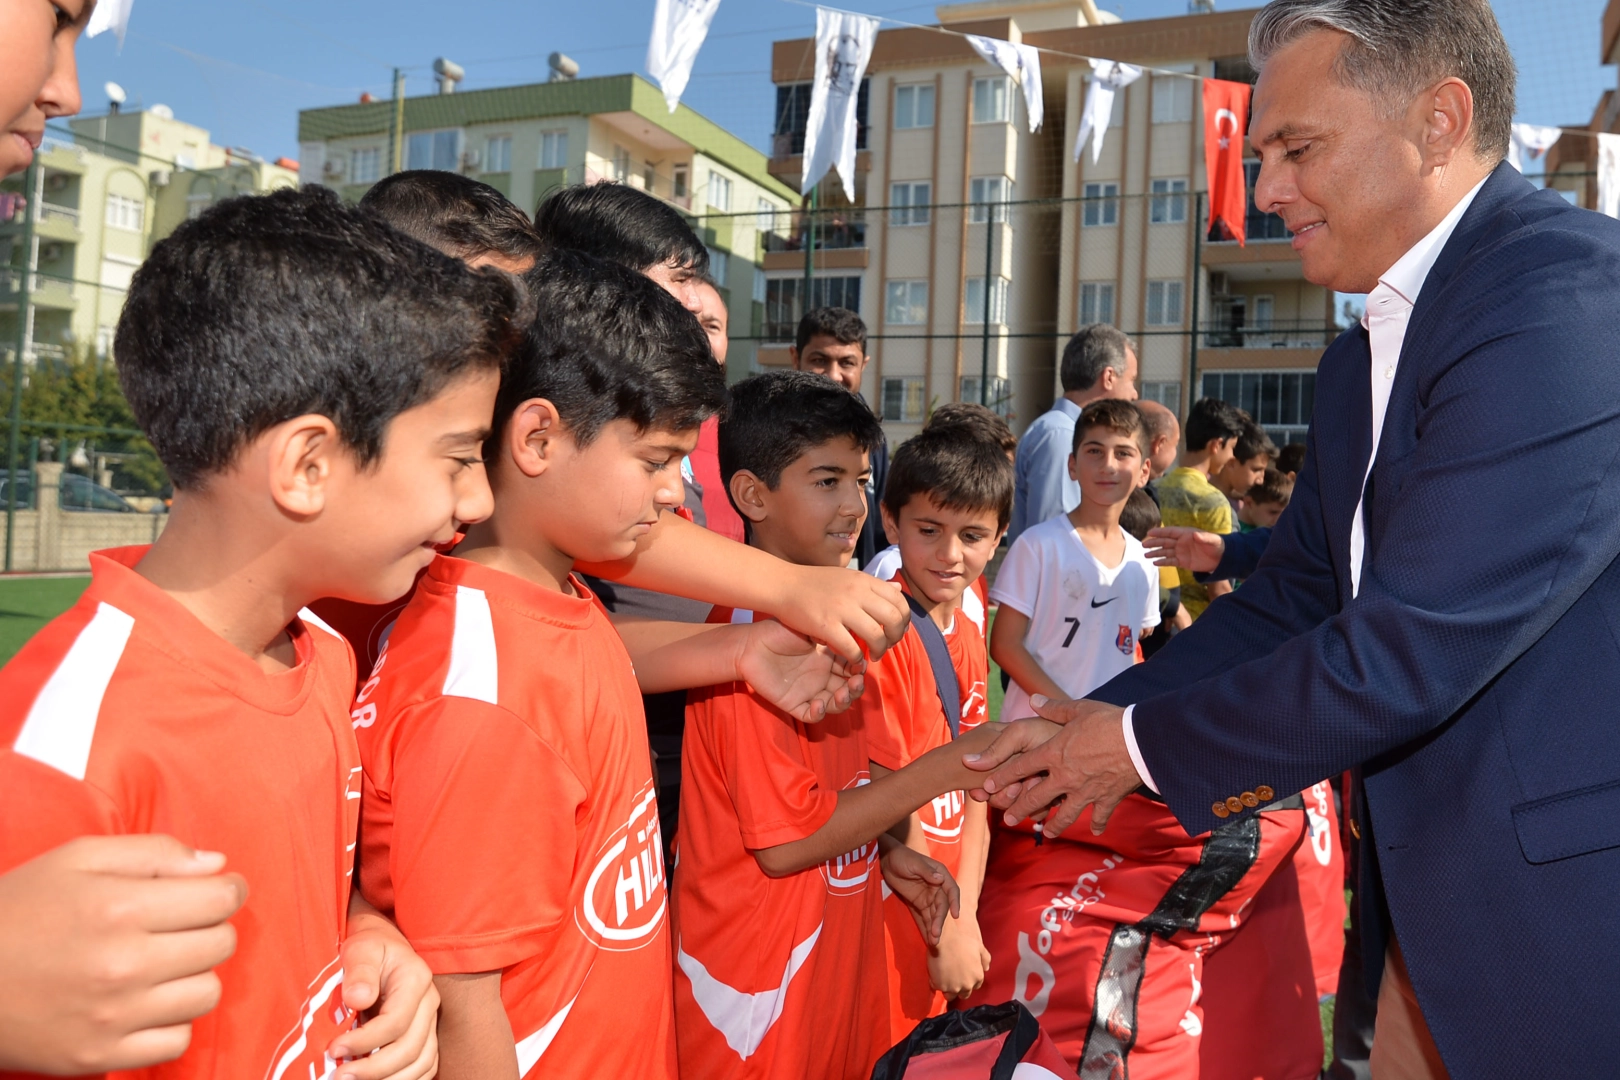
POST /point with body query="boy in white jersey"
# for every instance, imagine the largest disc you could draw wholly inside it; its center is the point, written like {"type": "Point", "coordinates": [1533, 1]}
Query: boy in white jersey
{"type": "Point", "coordinates": [1076, 592]}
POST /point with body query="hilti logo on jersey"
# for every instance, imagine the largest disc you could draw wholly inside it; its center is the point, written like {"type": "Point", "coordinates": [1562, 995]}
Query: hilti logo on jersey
{"type": "Point", "coordinates": [624, 901]}
{"type": "Point", "coordinates": [302, 1052]}
{"type": "Point", "coordinates": [942, 818]}
{"type": "Point", "coordinates": [848, 874]}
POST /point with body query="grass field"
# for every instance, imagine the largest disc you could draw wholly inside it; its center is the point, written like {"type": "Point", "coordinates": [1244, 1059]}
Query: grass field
{"type": "Point", "coordinates": [28, 603]}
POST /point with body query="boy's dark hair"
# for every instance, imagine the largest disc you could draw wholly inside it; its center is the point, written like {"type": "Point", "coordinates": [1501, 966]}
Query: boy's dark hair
{"type": "Point", "coordinates": [957, 473]}
{"type": "Point", "coordinates": [774, 419]}
{"type": "Point", "coordinates": [840, 324]}
{"type": "Point", "coordinates": [976, 420]}
{"type": "Point", "coordinates": [456, 214]}
{"type": "Point", "coordinates": [1116, 415]}
{"type": "Point", "coordinates": [1275, 490]}
{"type": "Point", "coordinates": [1291, 458]}
{"type": "Point", "coordinates": [1093, 350]}
{"type": "Point", "coordinates": [1254, 442]}
{"type": "Point", "coordinates": [267, 307]}
{"type": "Point", "coordinates": [1210, 419]}
{"type": "Point", "coordinates": [620, 224]}
{"type": "Point", "coordinates": [1140, 514]}
{"type": "Point", "coordinates": [609, 344]}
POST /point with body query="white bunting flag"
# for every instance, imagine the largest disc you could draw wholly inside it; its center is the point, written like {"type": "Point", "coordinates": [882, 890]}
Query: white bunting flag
{"type": "Point", "coordinates": [1532, 140]}
{"type": "Point", "coordinates": [679, 27]}
{"type": "Point", "coordinates": [110, 15]}
{"type": "Point", "coordinates": [844, 43]}
{"type": "Point", "coordinates": [1023, 64]}
{"type": "Point", "coordinates": [1608, 175]}
{"type": "Point", "coordinates": [1108, 77]}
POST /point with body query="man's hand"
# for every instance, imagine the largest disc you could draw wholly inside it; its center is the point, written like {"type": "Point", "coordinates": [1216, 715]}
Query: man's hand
{"type": "Point", "coordinates": [805, 680]}
{"type": "Point", "coordinates": [927, 887]}
{"type": "Point", "coordinates": [1083, 763]}
{"type": "Point", "coordinates": [383, 977]}
{"type": "Point", "coordinates": [846, 610]}
{"type": "Point", "coordinates": [957, 967]}
{"type": "Point", "coordinates": [1189, 549]}
{"type": "Point", "coordinates": [107, 950]}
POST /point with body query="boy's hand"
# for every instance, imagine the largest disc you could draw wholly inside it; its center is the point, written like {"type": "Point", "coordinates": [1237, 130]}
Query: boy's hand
{"type": "Point", "coordinates": [927, 888]}
{"type": "Point", "coordinates": [805, 680]}
{"type": "Point", "coordinates": [107, 950]}
{"type": "Point", "coordinates": [381, 972]}
{"type": "Point", "coordinates": [956, 968]}
{"type": "Point", "coordinates": [845, 609]}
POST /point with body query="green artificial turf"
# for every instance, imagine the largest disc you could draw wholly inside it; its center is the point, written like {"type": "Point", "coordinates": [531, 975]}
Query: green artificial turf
{"type": "Point", "coordinates": [28, 603]}
{"type": "Point", "coordinates": [996, 692]}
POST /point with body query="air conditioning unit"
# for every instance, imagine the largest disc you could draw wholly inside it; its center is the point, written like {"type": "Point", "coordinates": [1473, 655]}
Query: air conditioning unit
{"type": "Point", "coordinates": [50, 252]}
{"type": "Point", "coordinates": [471, 159]}
{"type": "Point", "coordinates": [1220, 284]}
{"type": "Point", "coordinates": [160, 178]}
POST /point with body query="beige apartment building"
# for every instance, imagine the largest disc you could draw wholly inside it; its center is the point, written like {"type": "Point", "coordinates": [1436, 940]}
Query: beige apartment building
{"type": "Point", "coordinates": [954, 191]}
{"type": "Point", "coordinates": [1572, 162]}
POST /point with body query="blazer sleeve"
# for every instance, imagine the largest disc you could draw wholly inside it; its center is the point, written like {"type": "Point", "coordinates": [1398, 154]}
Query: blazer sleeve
{"type": "Point", "coordinates": [1509, 493]}
{"type": "Point", "coordinates": [1240, 557]}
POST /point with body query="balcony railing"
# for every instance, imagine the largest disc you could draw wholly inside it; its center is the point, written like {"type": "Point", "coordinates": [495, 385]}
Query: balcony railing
{"type": "Point", "coordinates": [53, 212]}
{"type": "Point", "coordinates": [829, 236]}
{"type": "Point", "coordinates": [1272, 335]}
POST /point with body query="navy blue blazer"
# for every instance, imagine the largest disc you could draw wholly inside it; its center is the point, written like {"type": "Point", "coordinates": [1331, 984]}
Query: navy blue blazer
{"type": "Point", "coordinates": [1475, 681]}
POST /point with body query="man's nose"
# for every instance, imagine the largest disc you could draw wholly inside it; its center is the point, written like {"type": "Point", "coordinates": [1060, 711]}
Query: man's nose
{"type": "Point", "coordinates": [1273, 187]}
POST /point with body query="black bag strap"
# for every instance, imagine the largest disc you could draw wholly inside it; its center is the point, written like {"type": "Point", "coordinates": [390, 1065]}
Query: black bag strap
{"type": "Point", "coordinates": [939, 658]}
{"type": "Point", "coordinates": [960, 1028]}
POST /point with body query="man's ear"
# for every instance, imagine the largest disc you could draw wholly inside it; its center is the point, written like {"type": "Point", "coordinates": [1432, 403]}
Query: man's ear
{"type": "Point", "coordinates": [891, 525]}
{"type": "Point", "coordinates": [793, 357]}
{"type": "Point", "coordinates": [748, 492]}
{"type": "Point", "coordinates": [300, 456]}
{"type": "Point", "coordinates": [532, 435]}
{"type": "Point", "coordinates": [1448, 122]}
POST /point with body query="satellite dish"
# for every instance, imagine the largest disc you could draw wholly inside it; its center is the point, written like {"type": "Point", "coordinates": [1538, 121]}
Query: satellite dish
{"type": "Point", "coordinates": [162, 112]}
{"type": "Point", "coordinates": [115, 93]}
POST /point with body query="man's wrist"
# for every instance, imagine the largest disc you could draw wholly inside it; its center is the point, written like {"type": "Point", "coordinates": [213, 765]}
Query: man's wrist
{"type": "Point", "coordinates": [1128, 726]}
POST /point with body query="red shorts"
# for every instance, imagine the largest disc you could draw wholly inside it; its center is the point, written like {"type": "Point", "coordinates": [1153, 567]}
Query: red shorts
{"type": "Point", "coordinates": [1105, 940]}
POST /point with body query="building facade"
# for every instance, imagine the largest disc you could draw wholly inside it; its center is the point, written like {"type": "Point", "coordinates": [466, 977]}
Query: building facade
{"type": "Point", "coordinates": [529, 140]}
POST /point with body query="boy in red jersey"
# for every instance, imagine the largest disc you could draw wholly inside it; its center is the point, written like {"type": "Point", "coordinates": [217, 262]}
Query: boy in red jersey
{"type": "Point", "coordinates": [945, 506]}
{"type": "Point", "coordinates": [778, 912]}
{"type": "Point", "coordinates": [185, 692]}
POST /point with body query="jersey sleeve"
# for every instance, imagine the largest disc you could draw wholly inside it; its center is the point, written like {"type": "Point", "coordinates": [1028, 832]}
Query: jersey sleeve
{"type": "Point", "coordinates": [778, 797]}
{"type": "Point", "coordinates": [1150, 600]}
{"type": "Point", "coordinates": [1018, 583]}
{"type": "Point", "coordinates": [42, 808]}
{"type": "Point", "coordinates": [483, 844]}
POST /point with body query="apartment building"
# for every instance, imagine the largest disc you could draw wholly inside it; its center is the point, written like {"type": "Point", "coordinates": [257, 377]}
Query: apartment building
{"type": "Point", "coordinates": [101, 199]}
{"type": "Point", "coordinates": [1572, 162]}
{"type": "Point", "coordinates": [972, 215]}
{"type": "Point", "coordinates": [528, 140]}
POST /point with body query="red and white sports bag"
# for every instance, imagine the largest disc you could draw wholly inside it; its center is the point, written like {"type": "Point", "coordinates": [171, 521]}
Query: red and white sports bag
{"type": "Point", "coordinates": [986, 1042]}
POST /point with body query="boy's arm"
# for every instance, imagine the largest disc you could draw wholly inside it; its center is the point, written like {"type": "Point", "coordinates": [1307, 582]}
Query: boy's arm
{"type": "Point", "coordinates": [958, 965]}
{"type": "Point", "coordinates": [1217, 588]}
{"type": "Point", "coordinates": [845, 609]}
{"type": "Point", "coordinates": [475, 1038]}
{"type": "Point", "coordinates": [1007, 649]}
{"type": "Point", "coordinates": [381, 970]}
{"type": "Point", "coordinates": [924, 884]}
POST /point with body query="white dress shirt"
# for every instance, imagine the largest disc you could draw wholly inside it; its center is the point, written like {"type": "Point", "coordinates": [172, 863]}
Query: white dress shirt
{"type": "Point", "coordinates": [1389, 310]}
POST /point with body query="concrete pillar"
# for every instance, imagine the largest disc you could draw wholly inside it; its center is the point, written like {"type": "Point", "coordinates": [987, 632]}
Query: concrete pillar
{"type": "Point", "coordinates": [48, 497]}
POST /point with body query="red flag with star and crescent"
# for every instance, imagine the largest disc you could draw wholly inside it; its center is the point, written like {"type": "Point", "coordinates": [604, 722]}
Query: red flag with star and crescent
{"type": "Point", "coordinates": [1226, 124]}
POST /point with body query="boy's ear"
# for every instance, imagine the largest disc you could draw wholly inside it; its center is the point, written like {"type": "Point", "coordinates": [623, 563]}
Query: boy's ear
{"type": "Point", "coordinates": [891, 525]}
{"type": "Point", "coordinates": [300, 456]}
{"type": "Point", "coordinates": [748, 492]}
{"type": "Point", "coordinates": [1074, 473]}
{"type": "Point", "coordinates": [531, 436]}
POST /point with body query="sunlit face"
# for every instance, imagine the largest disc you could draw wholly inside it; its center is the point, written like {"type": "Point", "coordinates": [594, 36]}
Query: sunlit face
{"type": "Point", "coordinates": [825, 355]}
{"type": "Point", "coordinates": [715, 319]}
{"type": "Point", "coordinates": [1239, 476]}
{"type": "Point", "coordinates": [39, 77]}
{"type": "Point", "coordinates": [814, 515]}
{"type": "Point", "coordinates": [680, 281]}
{"type": "Point", "coordinates": [1264, 515]}
{"type": "Point", "coordinates": [1108, 466]}
{"type": "Point", "coordinates": [942, 552]}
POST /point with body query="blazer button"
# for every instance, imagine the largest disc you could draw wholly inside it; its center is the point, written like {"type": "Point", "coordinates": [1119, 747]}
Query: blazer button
{"type": "Point", "coordinates": [1235, 805]}
{"type": "Point", "coordinates": [1355, 831]}
{"type": "Point", "coordinates": [1220, 810]}
{"type": "Point", "coordinates": [1264, 793]}
{"type": "Point", "coordinates": [1250, 799]}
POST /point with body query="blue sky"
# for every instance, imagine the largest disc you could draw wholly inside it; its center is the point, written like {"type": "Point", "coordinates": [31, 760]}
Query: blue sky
{"type": "Point", "coordinates": [243, 68]}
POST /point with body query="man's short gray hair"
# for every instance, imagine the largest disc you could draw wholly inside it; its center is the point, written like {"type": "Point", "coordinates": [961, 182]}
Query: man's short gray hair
{"type": "Point", "coordinates": [1398, 48]}
{"type": "Point", "coordinates": [1089, 353]}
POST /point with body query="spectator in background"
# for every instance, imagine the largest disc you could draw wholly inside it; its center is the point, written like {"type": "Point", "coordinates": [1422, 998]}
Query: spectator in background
{"type": "Point", "coordinates": [720, 516]}
{"type": "Point", "coordinates": [1165, 431]}
{"type": "Point", "coordinates": [831, 341]}
{"type": "Point", "coordinates": [1290, 459]}
{"type": "Point", "coordinates": [981, 421]}
{"type": "Point", "coordinates": [1251, 457]}
{"type": "Point", "coordinates": [462, 217]}
{"type": "Point", "coordinates": [1098, 362]}
{"type": "Point", "coordinates": [1188, 498]}
{"type": "Point", "coordinates": [1266, 501]}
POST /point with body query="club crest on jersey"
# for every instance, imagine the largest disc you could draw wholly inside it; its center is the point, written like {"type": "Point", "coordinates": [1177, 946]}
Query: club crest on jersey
{"type": "Point", "coordinates": [624, 900]}
{"type": "Point", "coordinates": [848, 874]}
{"type": "Point", "coordinates": [1126, 641]}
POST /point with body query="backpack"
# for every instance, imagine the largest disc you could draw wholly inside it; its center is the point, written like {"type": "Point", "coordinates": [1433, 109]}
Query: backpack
{"type": "Point", "coordinates": [939, 658]}
{"type": "Point", "coordinates": [986, 1042]}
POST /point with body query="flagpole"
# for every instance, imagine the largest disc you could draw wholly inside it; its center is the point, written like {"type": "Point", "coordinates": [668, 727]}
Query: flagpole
{"type": "Point", "coordinates": [1198, 292]}
{"type": "Point", "coordinates": [984, 364]}
{"type": "Point", "coordinates": [809, 251]}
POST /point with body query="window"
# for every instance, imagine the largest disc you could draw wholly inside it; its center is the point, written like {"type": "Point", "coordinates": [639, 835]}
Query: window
{"type": "Point", "coordinates": [433, 150]}
{"type": "Point", "coordinates": [999, 392]}
{"type": "Point", "coordinates": [990, 99]}
{"type": "Point", "coordinates": [973, 301]}
{"type": "Point", "coordinates": [1101, 206]}
{"type": "Point", "coordinates": [793, 116]}
{"type": "Point", "coordinates": [783, 296]}
{"type": "Point", "coordinates": [126, 213]}
{"type": "Point", "coordinates": [908, 203]}
{"type": "Point", "coordinates": [649, 175]}
{"type": "Point", "coordinates": [553, 149]}
{"type": "Point", "coordinates": [196, 204]}
{"type": "Point", "coordinates": [765, 216]}
{"type": "Point", "coordinates": [760, 293]}
{"type": "Point", "coordinates": [1169, 202]}
{"type": "Point", "coordinates": [1264, 307]}
{"type": "Point", "coordinates": [621, 164]}
{"type": "Point", "coordinates": [913, 107]}
{"type": "Point", "coordinates": [681, 181]}
{"type": "Point", "coordinates": [719, 191]}
{"type": "Point", "coordinates": [1280, 401]}
{"type": "Point", "coordinates": [1164, 303]}
{"type": "Point", "coordinates": [720, 267]}
{"type": "Point", "coordinates": [1096, 302]}
{"type": "Point", "coordinates": [989, 195]}
{"type": "Point", "coordinates": [104, 340]}
{"type": "Point", "coordinates": [1167, 394]}
{"type": "Point", "coordinates": [117, 272]}
{"type": "Point", "coordinates": [498, 153]}
{"type": "Point", "coordinates": [906, 303]}
{"type": "Point", "coordinates": [903, 400]}
{"type": "Point", "coordinates": [1172, 99]}
{"type": "Point", "coordinates": [365, 166]}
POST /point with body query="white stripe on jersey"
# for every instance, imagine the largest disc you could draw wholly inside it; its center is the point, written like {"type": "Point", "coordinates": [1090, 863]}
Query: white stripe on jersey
{"type": "Point", "coordinates": [744, 1019]}
{"type": "Point", "coordinates": [315, 620]}
{"type": "Point", "coordinates": [62, 723]}
{"type": "Point", "coordinates": [474, 672]}
{"type": "Point", "coordinates": [531, 1049]}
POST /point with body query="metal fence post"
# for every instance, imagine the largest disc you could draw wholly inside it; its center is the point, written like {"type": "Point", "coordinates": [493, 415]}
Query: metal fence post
{"type": "Point", "coordinates": [34, 186]}
{"type": "Point", "coordinates": [1197, 293]}
{"type": "Point", "coordinates": [989, 246]}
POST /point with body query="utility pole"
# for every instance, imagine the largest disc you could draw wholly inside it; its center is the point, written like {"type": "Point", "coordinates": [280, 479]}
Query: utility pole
{"type": "Point", "coordinates": [396, 134]}
{"type": "Point", "coordinates": [809, 252]}
{"type": "Point", "coordinates": [34, 185]}
{"type": "Point", "coordinates": [989, 247]}
{"type": "Point", "coordinates": [1197, 292]}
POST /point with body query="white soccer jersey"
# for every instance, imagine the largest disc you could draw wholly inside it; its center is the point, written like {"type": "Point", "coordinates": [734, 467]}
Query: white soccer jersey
{"type": "Point", "coordinates": [1084, 618]}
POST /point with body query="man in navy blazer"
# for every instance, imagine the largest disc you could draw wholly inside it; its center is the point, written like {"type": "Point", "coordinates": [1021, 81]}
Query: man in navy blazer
{"type": "Point", "coordinates": [1439, 606]}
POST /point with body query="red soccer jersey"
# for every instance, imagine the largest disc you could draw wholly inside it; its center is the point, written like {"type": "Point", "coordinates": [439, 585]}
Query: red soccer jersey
{"type": "Point", "coordinates": [127, 715]}
{"type": "Point", "coordinates": [510, 817]}
{"type": "Point", "coordinates": [776, 977]}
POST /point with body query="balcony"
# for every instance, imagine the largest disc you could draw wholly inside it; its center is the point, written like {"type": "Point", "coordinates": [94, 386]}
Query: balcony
{"type": "Point", "coordinates": [829, 236]}
{"type": "Point", "coordinates": [1277, 334]}
{"type": "Point", "coordinates": [47, 291]}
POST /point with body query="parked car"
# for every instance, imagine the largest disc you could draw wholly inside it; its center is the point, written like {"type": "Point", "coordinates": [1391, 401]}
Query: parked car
{"type": "Point", "coordinates": [77, 492]}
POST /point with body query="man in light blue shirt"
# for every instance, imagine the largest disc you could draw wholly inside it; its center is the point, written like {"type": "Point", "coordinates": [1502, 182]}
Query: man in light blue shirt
{"type": "Point", "coordinates": [1098, 362]}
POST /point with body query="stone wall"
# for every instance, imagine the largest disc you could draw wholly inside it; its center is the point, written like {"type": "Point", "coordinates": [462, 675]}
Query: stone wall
{"type": "Point", "coordinates": [51, 538]}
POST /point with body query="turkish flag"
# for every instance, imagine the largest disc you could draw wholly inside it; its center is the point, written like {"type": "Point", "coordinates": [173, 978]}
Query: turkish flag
{"type": "Point", "coordinates": [1226, 127]}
